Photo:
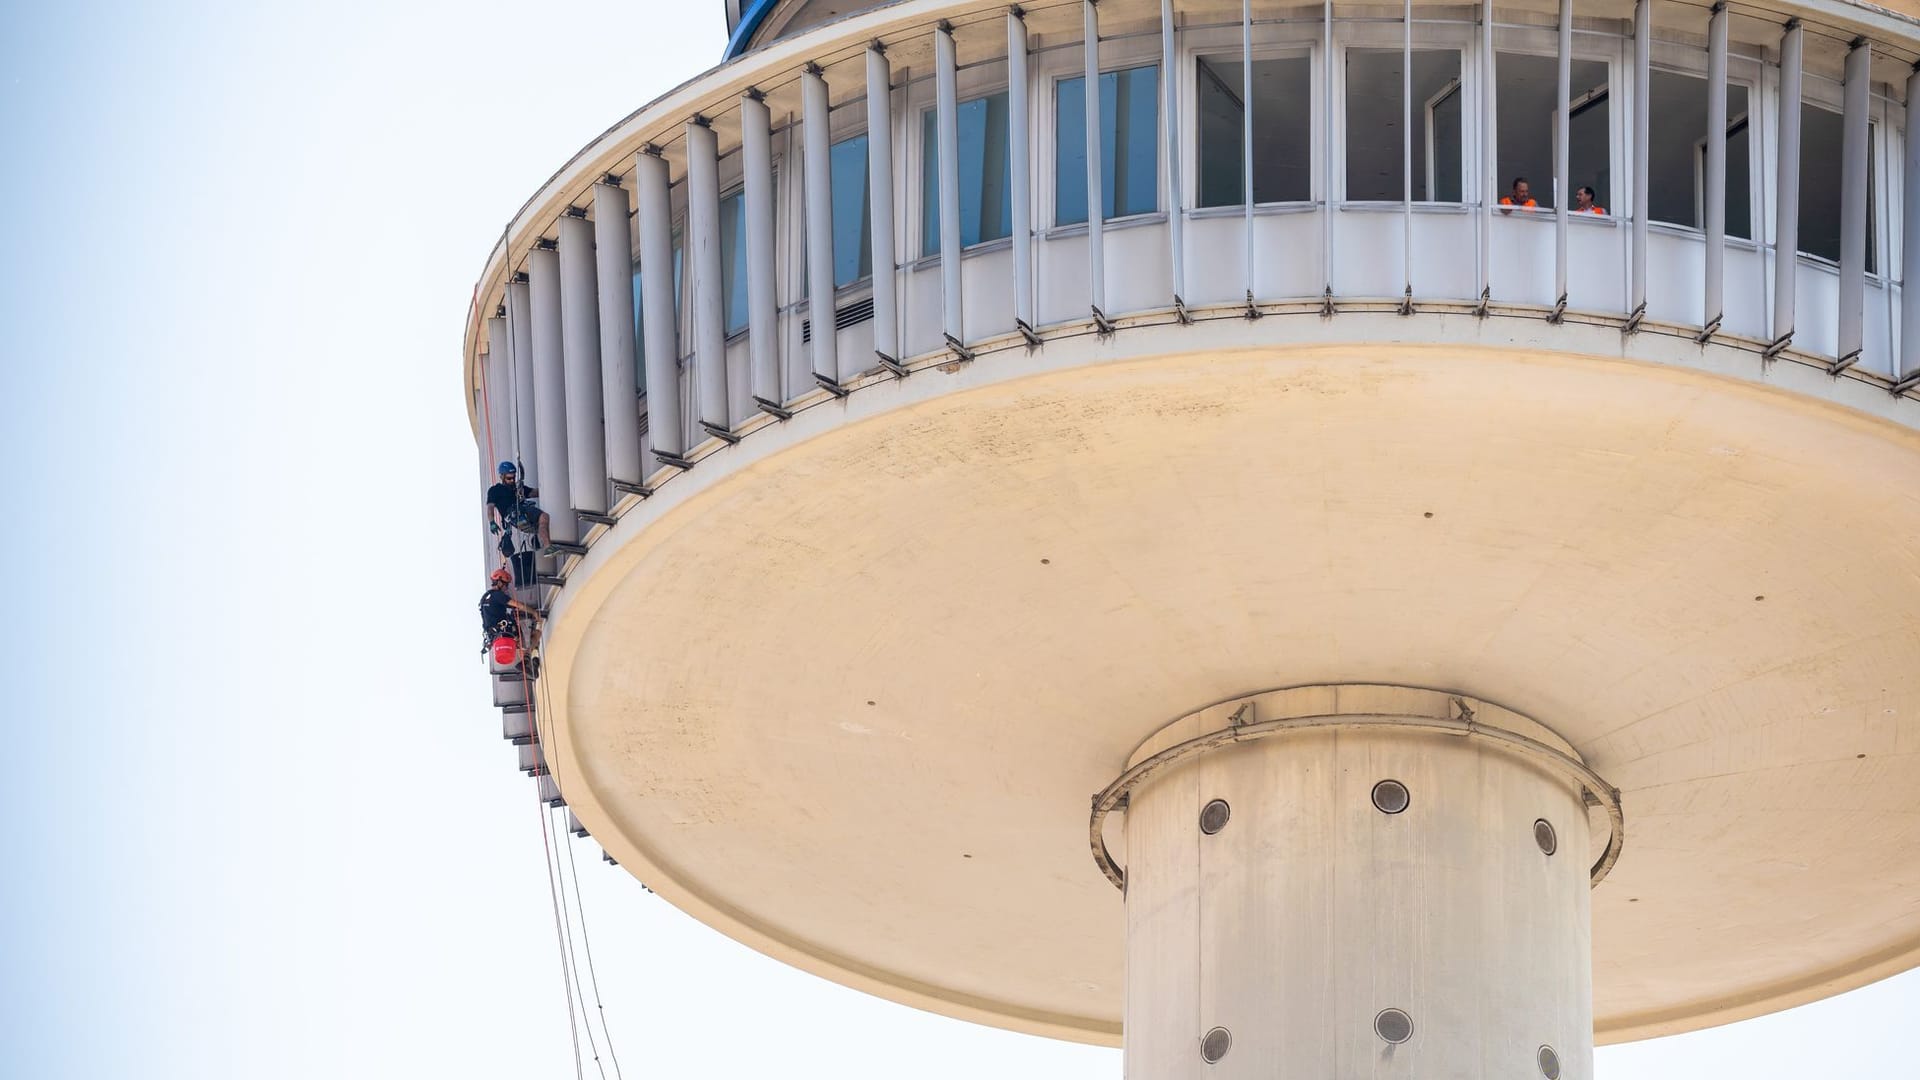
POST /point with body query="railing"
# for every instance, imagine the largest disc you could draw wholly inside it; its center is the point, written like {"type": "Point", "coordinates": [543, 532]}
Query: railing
{"type": "Point", "coordinates": [636, 267]}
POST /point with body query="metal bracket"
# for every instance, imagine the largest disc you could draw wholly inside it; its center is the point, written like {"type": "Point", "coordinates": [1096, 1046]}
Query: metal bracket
{"type": "Point", "coordinates": [1844, 363]}
{"type": "Point", "coordinates": [597, 518]}
{"type": "Point", "coordinates": [1406, 301]}
{"type": "Point", "coordinates": [830, 385]}
{"type": "Point", "coordinates": [1101, 323]}
{"type": "Point", "coordinates": [959, 351]}
{"type": "Point", "coordinates": [1253, 309]}
{"type": "Point", "coordinates": [1706, 332]}
{"type": "Point", "coordinates": [556, 580]}
{"type": "Point", "coordinates": [1480, 309]}
{"type": "Point", "coordinates": [1906, 382]}
{"type": "Point", "coordinates": [1633, 319]}
{"type": "Point", "coordinates": [1326, 303]}
{"type": "Point", "coordinates": [628, 487]}
{"type": "Point", "coordinates": [668, 458]}
{"type": "Point", "coordinates": [1559, 310]}
{"type": "Point", "coordinates": [776, 411]}
{"type": "Point", "coordinates": [1180, 311]}
{"type": "Point", "coordinates": [565, 548]}
{"type": "Point", "coordinates": [1777, 346]}
{"type": "Point", "coordinates": [719, 432]}
{"type": "Point", "coordinates": [898, 369]}
{"type": "Point", "coordinates": [1027, 331]}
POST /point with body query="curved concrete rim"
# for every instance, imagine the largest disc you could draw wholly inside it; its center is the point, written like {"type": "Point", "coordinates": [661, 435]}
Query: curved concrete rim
{"type": "Point", "coordinates": [656, 521]}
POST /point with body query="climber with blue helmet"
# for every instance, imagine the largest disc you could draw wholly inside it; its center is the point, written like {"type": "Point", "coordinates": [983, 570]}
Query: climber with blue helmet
{"type": "Point", "coordinates": [510, 506]}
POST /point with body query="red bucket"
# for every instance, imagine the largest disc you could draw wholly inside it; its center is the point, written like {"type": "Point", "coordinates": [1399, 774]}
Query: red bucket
{"type": "Point", "coordinates": [506, 651]}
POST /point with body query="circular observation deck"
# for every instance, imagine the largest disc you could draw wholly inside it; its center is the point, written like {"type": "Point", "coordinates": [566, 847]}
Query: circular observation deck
{"type": "Point", "coordinates": [858, 621]}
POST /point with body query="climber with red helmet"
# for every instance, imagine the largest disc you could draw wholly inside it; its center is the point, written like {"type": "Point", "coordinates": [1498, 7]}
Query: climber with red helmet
{"type": "Point", "coordinates": [500, 623]}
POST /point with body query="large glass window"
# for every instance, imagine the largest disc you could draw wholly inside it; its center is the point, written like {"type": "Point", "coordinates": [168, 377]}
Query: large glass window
{"type": "Point", "coordinates": [640, 314]}
{"type": "Point", "coordinates": [1129, 145]}
{"type": "Point", "coordinates": [1527, 93]}
{"type": "Point", "coordinates": [733, 260]}
{"type": "Point", "coordinates": [1282, 129]}
{"type": "Point", "coordinates": [1821, 136]}
{"type": "Point", "coordinates": [1377, 115]}
{"type": "Point", "coordinates": [1677, 154]}
{"type": "Point", "coordinates": [852, 224]}
{"type": "Point", "coordinates": [986, 176]}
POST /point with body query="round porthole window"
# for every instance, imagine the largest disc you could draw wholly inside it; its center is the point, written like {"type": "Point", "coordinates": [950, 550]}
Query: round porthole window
{"type": "Point", "coordinates": [1215, 1044]}
{"type": "Point", "coordinates": [1393, 1025]}
{"type": "Point", "coordinates": [1390, 796]}
{"type": "Point", "coordinates": [1214, 815]}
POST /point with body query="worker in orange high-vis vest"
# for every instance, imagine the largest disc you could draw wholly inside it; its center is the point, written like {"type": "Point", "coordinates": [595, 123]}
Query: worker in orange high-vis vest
{"type": "Point", "coordinates": [1520, 197]}
{"type": "Point", "coordinates": [1583, 202]}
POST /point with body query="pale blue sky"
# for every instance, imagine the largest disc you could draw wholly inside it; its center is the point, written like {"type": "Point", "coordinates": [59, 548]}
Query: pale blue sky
{"type": "Point", "coordinates": [262, 823]}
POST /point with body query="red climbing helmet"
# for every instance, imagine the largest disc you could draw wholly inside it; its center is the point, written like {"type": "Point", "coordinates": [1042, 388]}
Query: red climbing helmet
{"type": "Point", "coordinates": [506, 651]}
{"type": "Point", "coordinates": [500, 577]}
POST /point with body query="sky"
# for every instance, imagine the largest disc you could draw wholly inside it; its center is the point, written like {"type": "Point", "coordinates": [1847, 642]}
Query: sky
{"type": "Point", "coordinates": [261, 821]}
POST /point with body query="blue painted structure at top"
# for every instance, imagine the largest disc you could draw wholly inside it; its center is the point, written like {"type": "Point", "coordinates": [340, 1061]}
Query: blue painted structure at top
{"type": "Point", "coordinates": [750, 20]}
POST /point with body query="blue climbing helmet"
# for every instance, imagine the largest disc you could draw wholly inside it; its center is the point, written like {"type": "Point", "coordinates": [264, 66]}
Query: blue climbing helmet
{"type": "Point", "coordinates": [507, 468]}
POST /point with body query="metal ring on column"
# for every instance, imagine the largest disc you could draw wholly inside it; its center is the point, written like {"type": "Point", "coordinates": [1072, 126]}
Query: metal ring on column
{"type": "Point", "coordinates": [1594, 789]}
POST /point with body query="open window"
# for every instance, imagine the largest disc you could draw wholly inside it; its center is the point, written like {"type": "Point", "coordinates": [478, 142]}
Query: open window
{"type": "Point", "coordinates": [1377, 114]}
{"type": "Point", "coordinates": [1677, 154]}
{"type": "Point", "coordinates": [1527, 119]}
{"type": "Point", "coordinates": [1821, 136]}
{"type": "Point", "coordinates": [1282, 98]}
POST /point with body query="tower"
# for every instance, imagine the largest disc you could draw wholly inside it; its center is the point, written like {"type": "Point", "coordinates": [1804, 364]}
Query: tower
{"type": "Point", "coordinates": [1220, 573]}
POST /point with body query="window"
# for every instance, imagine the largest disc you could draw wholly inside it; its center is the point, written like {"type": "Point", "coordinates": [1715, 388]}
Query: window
{"type": "Point", "coordinates": [1821, 135]}
{"type": "Point", "coordinates": [1129, 145]}
{"type": "Point", "coordinates": [1677, 154]}
{"type": "Point", "coordinates": [1527, 95]}
{"type": "Point", "coordinates": [852, 224]}
{"type": "Point", "coordinates": [986, 175]}
{"type": "Point", "coordinates": [1377, 111]}
{"type": "Point", "coordinates": [1282, 129]}
{"type": "Point", "coordinates": [733, 261]}
{"type": "Point", "coordinates": [640, 314]}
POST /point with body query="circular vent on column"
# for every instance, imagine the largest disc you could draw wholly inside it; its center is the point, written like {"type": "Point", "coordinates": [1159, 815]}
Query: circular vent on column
{"type": "Point", "coordinates": [1393, 1025]}
{"type": "Point", "coordinates": [1213, 818]}
{"type": "Point", "coordinates": [1215, 1043]}
{"type": "Point", "coordinates": [1543, 835]}
{"type": "Point", "coordinates": [1549, 1063]}
{"type": "Point", "coordinates": [1390, 796]}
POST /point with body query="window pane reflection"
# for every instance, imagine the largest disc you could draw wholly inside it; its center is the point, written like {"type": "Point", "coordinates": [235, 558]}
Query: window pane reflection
{"type": "Point", "coordinates": [733, 260]}
{"type": "Point", "coordinates": [986, 176]}
{"type": "Point", "coordinates": [1282, 129]}
{"type": "Point", "coordinates": [852, 243]}
{"type": "Point", "coordinates": [640, 315]}
{"type": "Point", "coordinates": [1129, 145]}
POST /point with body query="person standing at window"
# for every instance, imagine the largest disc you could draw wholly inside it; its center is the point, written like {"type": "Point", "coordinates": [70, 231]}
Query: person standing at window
{"type": "Point", "coordinates": [1583, 202]}
{"type": "Point", "coordinates": [1521, 196]}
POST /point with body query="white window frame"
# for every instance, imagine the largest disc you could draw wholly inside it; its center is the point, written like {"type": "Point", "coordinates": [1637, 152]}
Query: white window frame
{"type": "Point", "coordinates": [1461, 38]}
{"type": "Point", "coordinates": [973, 82]}
{"type": "Point", "coordinates": [1047, 69]}
{"type": "Point", "coordinates": [1270, 42]}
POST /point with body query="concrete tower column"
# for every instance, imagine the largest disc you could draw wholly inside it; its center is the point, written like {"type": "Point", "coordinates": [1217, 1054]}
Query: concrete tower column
{"type": "Point", "coordinates": [550, 391]}
{"type": "Point", "coordinates": [1357, 881]}
{"type": "Point", "coordinates": [619, 360]}
{"type": "Point", "coordinates": [520, 364]}
{"type": "Point", "coordinates": [580, 336]}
